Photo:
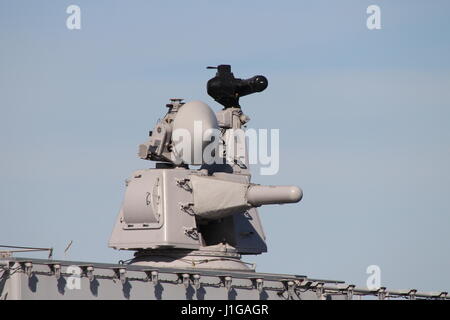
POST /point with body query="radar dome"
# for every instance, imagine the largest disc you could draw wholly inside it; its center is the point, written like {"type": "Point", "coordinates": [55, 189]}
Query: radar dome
{"type": "Point", "coordinates": [193, 128]}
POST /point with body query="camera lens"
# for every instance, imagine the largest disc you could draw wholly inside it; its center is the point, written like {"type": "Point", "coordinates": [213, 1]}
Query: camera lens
{"type": "Point", "coordinates": [259, 83]}
{"type": "Point", "coordinates": [226, 89]}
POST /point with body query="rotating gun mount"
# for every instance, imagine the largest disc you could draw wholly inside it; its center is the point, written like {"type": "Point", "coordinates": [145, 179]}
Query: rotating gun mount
{"type": "Point", "coordinates": [207, 217]}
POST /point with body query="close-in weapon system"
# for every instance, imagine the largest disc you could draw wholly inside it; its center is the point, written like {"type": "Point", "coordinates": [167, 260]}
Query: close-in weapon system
{"type": "Point", "coordinates": [204, 217]}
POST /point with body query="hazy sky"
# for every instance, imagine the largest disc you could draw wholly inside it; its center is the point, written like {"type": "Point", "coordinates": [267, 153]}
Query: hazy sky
{"type": "Point", "coordinates": [364, 120]}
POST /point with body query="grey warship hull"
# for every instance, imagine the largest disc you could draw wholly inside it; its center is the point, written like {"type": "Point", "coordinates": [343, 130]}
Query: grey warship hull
{"type": "Point", "coordinates": [39, 279]}
{"type": "Point", "coordinates": [30, 279]}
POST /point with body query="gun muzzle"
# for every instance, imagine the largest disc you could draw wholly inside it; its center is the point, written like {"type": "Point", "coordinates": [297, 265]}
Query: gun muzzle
{"type": "Point", "coordinates": [258, 195]}
{"type": "Point", "coordinates": [216, 198]}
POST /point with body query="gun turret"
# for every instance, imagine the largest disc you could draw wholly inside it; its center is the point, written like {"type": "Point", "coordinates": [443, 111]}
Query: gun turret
{"type": "Point", "coordinates": [176, 211]}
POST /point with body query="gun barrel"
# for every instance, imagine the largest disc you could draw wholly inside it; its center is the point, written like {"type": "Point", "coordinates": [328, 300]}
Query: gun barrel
{"type": "Point", "coordinates": [261, 195]}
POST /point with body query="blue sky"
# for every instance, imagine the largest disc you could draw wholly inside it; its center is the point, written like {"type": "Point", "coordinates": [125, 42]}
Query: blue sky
{"type": "Point", "coordinates": [364, 120]}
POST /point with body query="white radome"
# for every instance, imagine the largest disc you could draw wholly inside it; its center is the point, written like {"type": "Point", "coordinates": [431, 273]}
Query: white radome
{"type": "Point", "coordinates": [195, 121]}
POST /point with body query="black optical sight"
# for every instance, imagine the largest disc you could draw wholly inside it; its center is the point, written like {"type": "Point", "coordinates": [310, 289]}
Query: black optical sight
{"type": "Point", "coordinates": [226, 89]}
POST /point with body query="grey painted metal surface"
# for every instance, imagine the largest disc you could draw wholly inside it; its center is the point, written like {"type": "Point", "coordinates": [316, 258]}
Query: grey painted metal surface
{"type": "Point", "coordinates": [22, 278]}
